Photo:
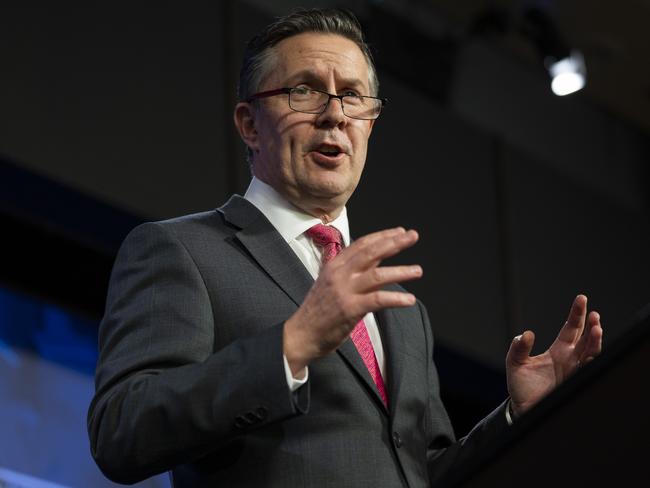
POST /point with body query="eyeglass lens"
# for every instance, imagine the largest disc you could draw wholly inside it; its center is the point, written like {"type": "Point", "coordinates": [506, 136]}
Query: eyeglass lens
{"type": "Point", "coordinates": [312, 101]}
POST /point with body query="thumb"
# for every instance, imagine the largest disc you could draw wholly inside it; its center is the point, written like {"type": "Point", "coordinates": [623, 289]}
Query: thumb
{"type": "Point", "coordinates": [520, 348]}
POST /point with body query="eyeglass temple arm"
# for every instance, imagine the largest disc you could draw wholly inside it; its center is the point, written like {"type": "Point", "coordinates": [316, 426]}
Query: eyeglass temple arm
{"type": "Point", "coordinates": [269, 93]}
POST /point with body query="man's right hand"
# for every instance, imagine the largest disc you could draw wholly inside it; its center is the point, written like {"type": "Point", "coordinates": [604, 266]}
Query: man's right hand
{"type": "Point", "coordinates": [347, 288]}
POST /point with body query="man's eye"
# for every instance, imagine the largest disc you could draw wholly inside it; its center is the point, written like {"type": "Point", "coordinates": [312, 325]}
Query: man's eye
{"type": "Point", "coordinates": [350, 93]}
{"type": "Point", "coordinates": [301, 90]}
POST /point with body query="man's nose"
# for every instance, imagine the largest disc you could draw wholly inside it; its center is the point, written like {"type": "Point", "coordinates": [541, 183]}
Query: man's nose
{"type": "Point", "coordinates": [333, 114]}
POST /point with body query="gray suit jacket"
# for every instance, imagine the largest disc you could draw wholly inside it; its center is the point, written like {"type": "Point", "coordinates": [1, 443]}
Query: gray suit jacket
{"type": "Point", "coordinates": [191, 378]}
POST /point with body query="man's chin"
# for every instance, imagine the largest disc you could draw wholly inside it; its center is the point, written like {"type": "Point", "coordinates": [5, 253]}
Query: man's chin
{"type": "Point", "coordinates": [326, 195]}
{"type": "Point", "coordinates": [330, 187]}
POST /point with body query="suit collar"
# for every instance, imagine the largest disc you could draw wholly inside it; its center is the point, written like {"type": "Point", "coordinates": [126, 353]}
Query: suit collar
{"type": "Point", "coordinates": [288, 220]}
{"type": "Point", "coordinates": [268, 248]}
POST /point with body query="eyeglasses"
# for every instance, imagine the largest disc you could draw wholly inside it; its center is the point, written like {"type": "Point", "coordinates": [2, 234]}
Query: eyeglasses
{"type": "Point", "coordinates": [310, 101]}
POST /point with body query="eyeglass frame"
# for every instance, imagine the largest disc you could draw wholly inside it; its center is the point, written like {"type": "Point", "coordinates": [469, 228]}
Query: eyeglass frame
{"type": "Point", "coordinates": [288, 90]}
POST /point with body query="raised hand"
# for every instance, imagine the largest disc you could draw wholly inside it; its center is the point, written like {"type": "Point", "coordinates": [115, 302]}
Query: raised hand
{"type": "Point", "coordinates": [530, 378]}
{"type": "Point", "coordinates": [347, 288]}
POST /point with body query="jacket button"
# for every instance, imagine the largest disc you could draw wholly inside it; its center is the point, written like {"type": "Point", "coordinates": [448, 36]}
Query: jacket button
{"type": "Point", "coordinates": [397, 440]}
{"type": "Point", "coordinates": [261, 413]}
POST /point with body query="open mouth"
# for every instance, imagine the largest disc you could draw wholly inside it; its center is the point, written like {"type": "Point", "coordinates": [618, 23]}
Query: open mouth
{"type": "Point", "coordinates": [328, 153]}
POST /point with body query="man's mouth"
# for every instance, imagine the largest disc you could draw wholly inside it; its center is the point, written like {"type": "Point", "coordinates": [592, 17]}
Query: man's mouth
{"type": "Point", "coordinates": [330, 150]}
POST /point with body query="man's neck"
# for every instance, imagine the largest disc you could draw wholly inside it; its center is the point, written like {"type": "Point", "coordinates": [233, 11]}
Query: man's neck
{"type": "Point", "coordinates": [325, 211]}
{"type": "Point", "coordinates": [288, 219]}
{"type": "Point", "coordinates": [322, 214]}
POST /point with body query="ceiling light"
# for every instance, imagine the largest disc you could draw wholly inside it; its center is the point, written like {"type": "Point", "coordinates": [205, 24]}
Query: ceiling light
{"type": "Point", "coordinates": [568, 75]}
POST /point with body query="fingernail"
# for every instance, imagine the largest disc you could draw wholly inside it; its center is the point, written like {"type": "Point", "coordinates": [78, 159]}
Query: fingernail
{"type": "Point", "coordinates": [517, 338]}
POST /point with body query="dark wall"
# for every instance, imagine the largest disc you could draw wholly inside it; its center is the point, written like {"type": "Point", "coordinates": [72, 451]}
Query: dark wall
{"type": "Point", "coordinates": [125, 103]}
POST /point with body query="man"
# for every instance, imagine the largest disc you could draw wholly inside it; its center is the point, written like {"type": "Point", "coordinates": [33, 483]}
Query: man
{"type": "Point", "coordinates": [256, 345]}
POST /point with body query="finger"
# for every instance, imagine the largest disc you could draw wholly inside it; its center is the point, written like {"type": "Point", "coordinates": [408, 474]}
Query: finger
{"type": "Point", "coordinates": [591, 342]}
{"type": "Point", "coordinates": [372, 253]}
{"type": "Point", "coordinates": [380, 299]}
{"type": "Point", "coordinates": [377, 247]}
{"type": "Point", "coordinates": [593, 320]}
{"type": "Point", "coordinates": [374, 237]}
{"type": "Point", "coordinates": [573, 327]}
{"type": "Point", "coordinates": [367, 241]}
{"type": "Point", "coordinates": [520, 349]}
{"type": "Point", "coordinates": [378, 277]}
{"type": "Point", "coordinates": [595, 345]}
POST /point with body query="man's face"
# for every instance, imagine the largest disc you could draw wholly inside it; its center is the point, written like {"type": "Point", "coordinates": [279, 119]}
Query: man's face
{"type": "Point", "coordinates": [315, 161]}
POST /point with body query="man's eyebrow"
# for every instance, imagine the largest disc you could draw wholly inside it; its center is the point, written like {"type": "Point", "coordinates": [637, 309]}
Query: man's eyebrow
{"type": "Point", "coordinates": [311, 76]}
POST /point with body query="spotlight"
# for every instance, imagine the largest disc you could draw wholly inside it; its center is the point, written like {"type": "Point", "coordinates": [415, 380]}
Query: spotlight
{"type": "Point", "coordinates": [568, 75]}
{"type": "Point", "coordinates": [566, 66]}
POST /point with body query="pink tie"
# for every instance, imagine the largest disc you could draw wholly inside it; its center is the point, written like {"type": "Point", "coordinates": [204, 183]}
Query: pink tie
{"type": "Point", "coordinates": [329, 239]}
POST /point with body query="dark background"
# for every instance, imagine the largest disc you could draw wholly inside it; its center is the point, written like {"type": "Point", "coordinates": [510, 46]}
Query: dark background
{"type": "Point", "coordinates": [114, 114]}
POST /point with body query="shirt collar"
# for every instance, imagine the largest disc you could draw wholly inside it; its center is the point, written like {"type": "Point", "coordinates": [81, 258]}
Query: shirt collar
{"type": "Point", "coordinates": [288, 220]}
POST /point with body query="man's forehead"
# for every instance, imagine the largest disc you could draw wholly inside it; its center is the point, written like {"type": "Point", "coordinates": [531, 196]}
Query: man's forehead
{"type": "Point", "coordinates": [319, 52]}
{"type": "Point", "coordinates": [309, 75]}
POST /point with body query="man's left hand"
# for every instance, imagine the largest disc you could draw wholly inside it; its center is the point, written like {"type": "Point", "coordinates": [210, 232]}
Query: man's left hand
{"type": "Point", "coordinates": [530, 378]}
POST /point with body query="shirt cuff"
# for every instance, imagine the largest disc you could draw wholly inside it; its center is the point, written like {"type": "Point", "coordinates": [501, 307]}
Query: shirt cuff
{"type": "Point", "coordinates": [294, 383]}
{"type": "Point", "coordinates": [509, 417]}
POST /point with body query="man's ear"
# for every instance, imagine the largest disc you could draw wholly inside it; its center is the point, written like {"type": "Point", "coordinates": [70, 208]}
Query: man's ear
{"type": "Point", "coordinates": [244, 117]}
{"type": "Point", "coordinates": [372, 124]}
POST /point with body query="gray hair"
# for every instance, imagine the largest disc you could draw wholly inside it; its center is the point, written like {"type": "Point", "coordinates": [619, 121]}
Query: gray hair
{"type": "Point", "coordinates": [259, 57]}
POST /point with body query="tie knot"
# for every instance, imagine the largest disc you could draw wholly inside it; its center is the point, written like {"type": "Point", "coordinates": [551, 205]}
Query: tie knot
{"type": "Point", "coordinates": [323, 235]}
{"type": "Point", "coordinates": [328, 238]}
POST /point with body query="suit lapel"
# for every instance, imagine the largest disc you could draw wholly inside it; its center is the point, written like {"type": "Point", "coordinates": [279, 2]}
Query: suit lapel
{"type": "Point", "coordinates": [268, 248]}
{"type": "Point", "coordinates": [391, 330]}
{"type": "Point", "coordinates": [351, 356]}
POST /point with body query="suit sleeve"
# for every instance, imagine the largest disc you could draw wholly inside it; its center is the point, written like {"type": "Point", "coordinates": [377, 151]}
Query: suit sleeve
{"type": "Point", "coordinates": [164, 396]}
{"type": "Point", "coordinates": [448, 458]}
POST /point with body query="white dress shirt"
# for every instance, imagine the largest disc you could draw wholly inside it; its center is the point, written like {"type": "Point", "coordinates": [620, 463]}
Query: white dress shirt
{"type": "Point", "coordinates": [292, 223]}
